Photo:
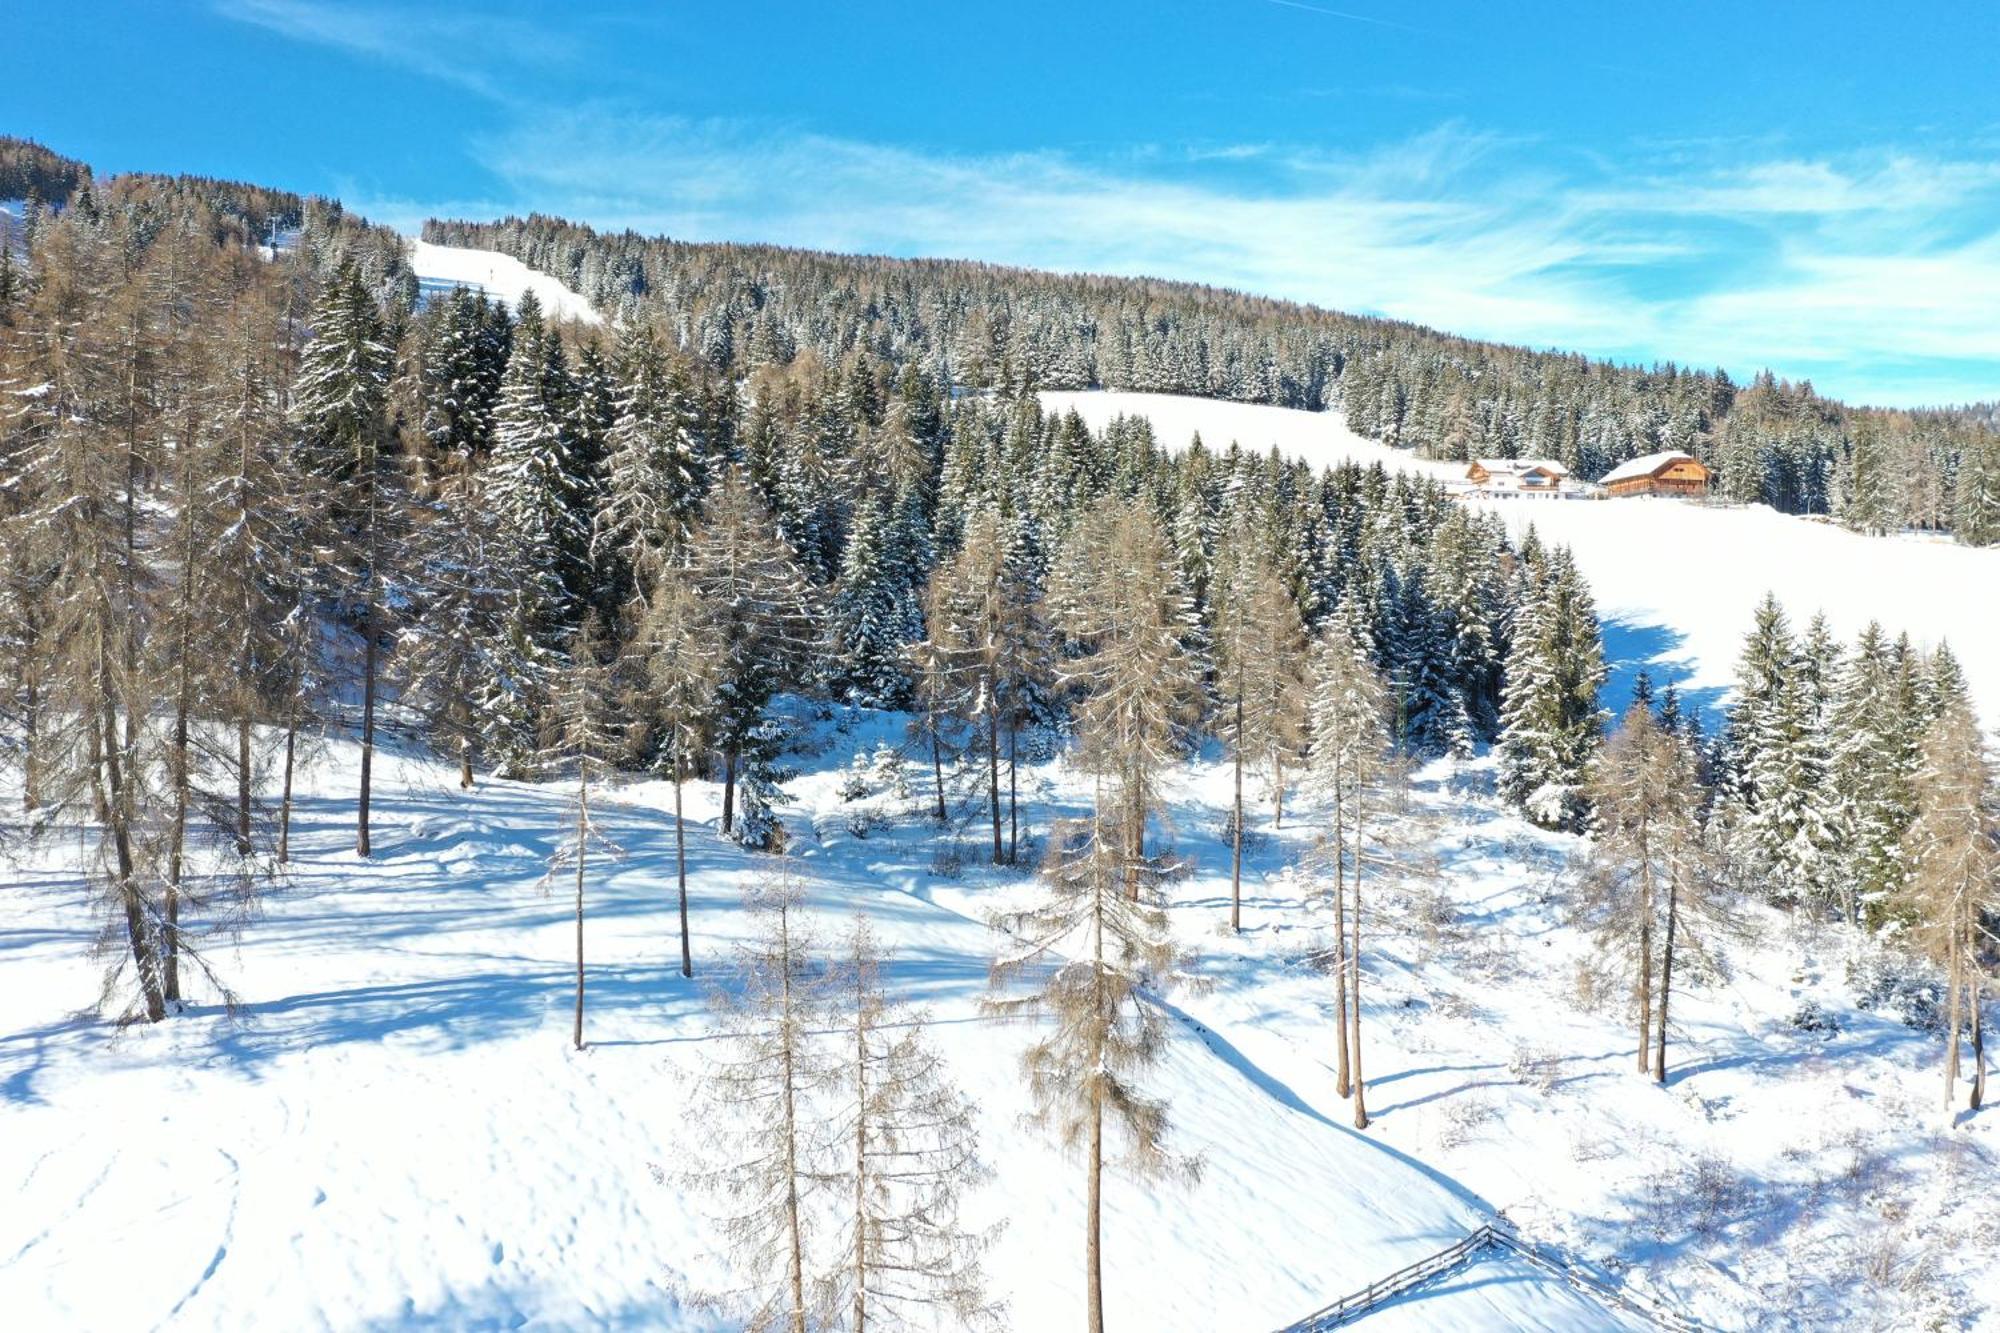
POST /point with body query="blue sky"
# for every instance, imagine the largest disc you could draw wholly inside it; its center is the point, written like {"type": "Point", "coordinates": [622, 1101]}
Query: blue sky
{"type": "Point", "coordinates": [1813, 187]}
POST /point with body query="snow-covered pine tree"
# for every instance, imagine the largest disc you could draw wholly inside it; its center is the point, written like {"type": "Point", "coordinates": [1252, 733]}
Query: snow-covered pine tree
{"type": "Point", "coordinates": [1110, 943]}
{"type": "Point", "coordinates": [872, 615]}
{"type": "Point", "coordinates": [764, 615]}
{"type": "Point", "coordinates": [535, 485]}
{"type": "Point", "coordinates": [466, 661]}
{"type": "Point", "coordinates": [656, 474]}
{"type": "Point", "coordinates": [1551, 726]}
{"type": "Point", "coordinates": [1976, 494]}
{"type": "Point", "coordinates": [1430, 705]}
{"type": "Point", "coordinates": [339, 403]}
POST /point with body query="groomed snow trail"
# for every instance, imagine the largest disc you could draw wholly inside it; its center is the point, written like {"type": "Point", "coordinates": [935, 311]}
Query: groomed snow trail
{"type": "Point", "coordinates": [440, 268]}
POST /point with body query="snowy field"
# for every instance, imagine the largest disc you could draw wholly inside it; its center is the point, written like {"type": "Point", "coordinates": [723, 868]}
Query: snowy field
{"type": "Point", "coordinates": [439, 268]}
{"type": "Point", "coordinates": [1675, 582]}
{"type": "Point", "coordinates": [396, 1133]}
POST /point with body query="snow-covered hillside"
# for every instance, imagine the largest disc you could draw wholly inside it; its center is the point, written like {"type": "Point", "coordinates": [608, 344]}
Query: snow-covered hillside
{"type": "Point", "coordinates": [1320, 438]}
{"type": "Point", "coordinates": [439, 268]}
{"type": "Point", "coordinates": [396, 1133]}
{"type": "Point", "coordinates": [1675, 582]}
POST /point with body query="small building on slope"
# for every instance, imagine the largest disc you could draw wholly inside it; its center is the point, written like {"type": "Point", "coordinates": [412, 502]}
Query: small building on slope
{"type": "Point", "coordinates": [1518, 476]}
{"type": "Point", "coordinates": [1670, 473]}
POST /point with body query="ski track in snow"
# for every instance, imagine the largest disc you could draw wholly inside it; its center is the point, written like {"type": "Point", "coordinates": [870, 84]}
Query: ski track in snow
{"type": "Point", "coordinates": [411, 1140]}
{"type": "Point", "coordinates": [439, 268]}
{"type": "Point", "coordinates": [1675, 583]}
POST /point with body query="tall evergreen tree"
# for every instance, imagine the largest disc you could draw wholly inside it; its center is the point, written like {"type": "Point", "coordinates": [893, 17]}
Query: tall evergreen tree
{"type": "Point", "coordinates": [340, 404]}
{"type": "Point", "coordinates": [1551, 726]}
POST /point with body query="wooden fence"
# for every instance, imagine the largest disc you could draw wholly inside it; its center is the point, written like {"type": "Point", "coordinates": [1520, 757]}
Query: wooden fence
{"type": "Point", "coordinates": [1493, 1235]}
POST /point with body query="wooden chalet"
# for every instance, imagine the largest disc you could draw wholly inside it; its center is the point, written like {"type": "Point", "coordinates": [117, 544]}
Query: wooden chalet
{"type": "Point", "coordinates": [1658, 474]}
{"type": "Point", "coordinates": [1517, 476]}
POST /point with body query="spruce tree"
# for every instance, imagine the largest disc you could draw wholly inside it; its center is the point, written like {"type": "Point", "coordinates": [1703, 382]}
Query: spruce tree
{"type": "Point", "coordinates": [1551, 726]}
{"type": "Point", "coordinates": [535, 487]}
{"type": "Point", "coordinates": [339, 404]}
{"type": "Point", "coordinates": [764, 617]}
{"type": "Point", "coordinates": [656, 473]}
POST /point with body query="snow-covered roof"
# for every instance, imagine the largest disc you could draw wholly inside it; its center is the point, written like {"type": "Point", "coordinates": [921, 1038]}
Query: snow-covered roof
{"type": "Point", "coordinates": [1547, 465]}
{"type": "Point", "coordinates": [1635, 468]}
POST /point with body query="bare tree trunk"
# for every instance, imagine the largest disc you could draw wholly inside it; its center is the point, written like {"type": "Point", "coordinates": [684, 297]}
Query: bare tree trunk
{"type": "Point", "coordinates": [681, 869]}
{"type": "Point", "coordinates": [285, 791]}
{"type": "Point", "coordinates": [1343, 1076]}
{"type": "Point", "coordinates": [367, 730]}
{"type": "Point", "coordinates": [464, 746]}
{"type": "Point", "coordinates": [993, 771]}
{"type": "Point", "coordinates": [860, 1155]}
{"type": "Point", "coordinates": [1354, 975]}
{"type": "Point", "coordinates": [1667, 976]}
{"type": "Point", "coordinates": [792, 1222]}
{"type": "Point", "coordinates": [1236, 841]}
{"type": "Point", "coordinates": [243, 843]}
{"type": "Point", "coordinates": [1644, 986]}
{"type": "Point", "coordinates": [1277, 791]}
{"type": "Point", "coordinates": [176, 847]}
{"type": "Point", "coordinates": [31, 731]}
{"type": "Point", "coordinates": [937, 770]}
{"type": "Point", "coordinates": [100, 802]}
{"type": "Point", "coordinates": [368, 661]}
{"type": "Point", "coordinates": [1952, 1010]}
{"type": "Point", "coordinates": [1093, 1260]}
{"type": "Point", "coordinates": [170, 943]}
{"type": "Point", "coordinates": [1978, 1050]}
{"type": "Point", "coordinates": [1013, 792]}
{"type": "Point", "coordinates": [728, 790]}
{"type": "Point", "coordinates": [145, 956]}
{"type": "Point", "coordinates": [582, 845]}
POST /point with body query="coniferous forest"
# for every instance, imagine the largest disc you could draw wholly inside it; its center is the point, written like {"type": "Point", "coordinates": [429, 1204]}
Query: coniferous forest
{"type": "Point", "coordinates": [256, 494]}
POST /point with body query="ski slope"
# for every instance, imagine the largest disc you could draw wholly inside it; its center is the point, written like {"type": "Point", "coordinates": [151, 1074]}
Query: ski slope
{"type": "Point", "coordinates": [440, 268]}
{"type": "Point", "coordinates": [1319, 438]}
{"type": "Point", "coordinates": [1675, 582]}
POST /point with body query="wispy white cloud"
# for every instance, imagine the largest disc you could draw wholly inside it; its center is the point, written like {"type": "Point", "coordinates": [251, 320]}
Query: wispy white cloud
{"type": "Point", "coordinates": [468, 49]}
{"type": "Point", "coordinates": [1875, 274]}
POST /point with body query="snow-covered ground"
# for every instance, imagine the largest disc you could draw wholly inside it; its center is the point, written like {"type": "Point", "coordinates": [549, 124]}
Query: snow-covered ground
{"type": "Point", "coordinates": [1320, 438]}
{"type": "Point", "coordinates": [395, 1131]}
{"type": "Point", "coordinates": [1675, 582]}
{"type": "Point", "coordinates": [439, 268]}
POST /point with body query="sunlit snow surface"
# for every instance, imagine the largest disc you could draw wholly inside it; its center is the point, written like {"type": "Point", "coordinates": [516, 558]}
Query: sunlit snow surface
{"type": "Point", "coordinates": [1675, 582]}
{"type": "Point", "coordinates": [440, 268]}
{"type": "Point", "coordinates": [395, 1132]}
